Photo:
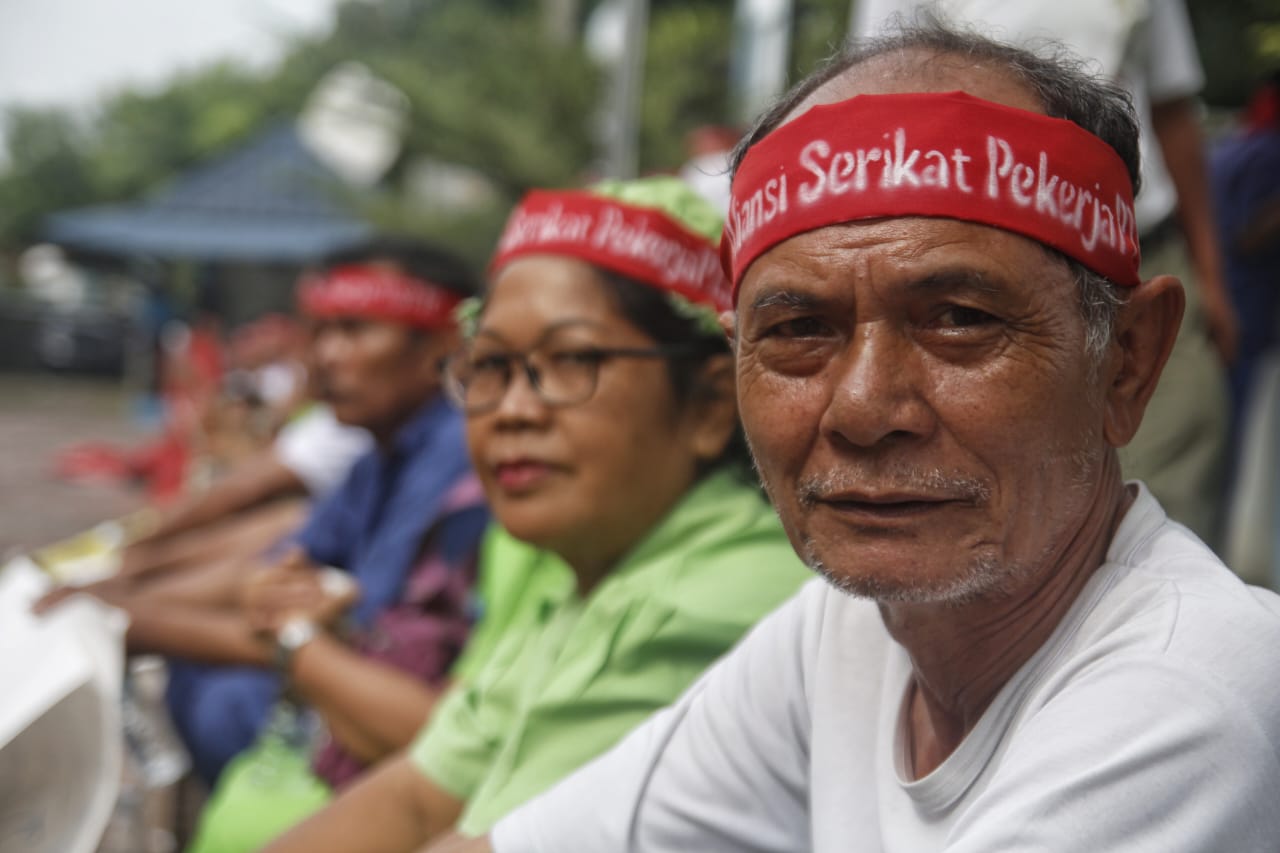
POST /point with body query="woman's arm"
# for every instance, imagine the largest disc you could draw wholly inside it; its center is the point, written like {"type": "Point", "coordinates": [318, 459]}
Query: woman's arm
{"type": "Point", "coordinates": [371, 708]}
{"type": "Point", "coordinates": [393, 809]}
{"type": "Point", "coordinates": [455, 843]}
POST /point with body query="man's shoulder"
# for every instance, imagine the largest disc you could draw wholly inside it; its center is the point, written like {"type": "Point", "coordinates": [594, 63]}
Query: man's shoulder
{"type": "Point", "coordinates": [1168, 566]}
{"type": "Point", "coordinates": [1173, 612]}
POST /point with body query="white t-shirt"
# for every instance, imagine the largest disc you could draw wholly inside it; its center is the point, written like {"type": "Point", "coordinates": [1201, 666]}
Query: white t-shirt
{"type": "Point", "coordinates": [320, 449]}
{"type": "Point", "coordinates": [1149, 722]}
{"type": "Point", "coordinates": [1145, 45]}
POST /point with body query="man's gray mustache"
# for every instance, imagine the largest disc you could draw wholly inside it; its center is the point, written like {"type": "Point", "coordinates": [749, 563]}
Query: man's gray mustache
{"type": "Point", "coordinates": [932, 482]}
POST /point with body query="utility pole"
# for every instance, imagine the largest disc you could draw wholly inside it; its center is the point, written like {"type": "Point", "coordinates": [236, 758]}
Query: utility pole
{"type": "Point", "coordinates": [761, 51]}
{"type": "Point", "coordinates": [622, 112]}
{"type": "Point", "coordinates": [560, 20]}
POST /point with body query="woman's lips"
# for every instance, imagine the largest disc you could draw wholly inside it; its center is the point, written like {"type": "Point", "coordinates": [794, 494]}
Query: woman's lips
{"type": "Point", "coordinates": [521, 475]}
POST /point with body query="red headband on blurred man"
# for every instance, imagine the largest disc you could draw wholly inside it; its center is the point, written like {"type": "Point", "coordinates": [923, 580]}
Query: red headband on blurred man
{"type": "Point", "coordinates": [380, 293]}
{"type": "Point", "coordinates": [950, 155]}
{"type": "Point", "coordinates": [639, 242]}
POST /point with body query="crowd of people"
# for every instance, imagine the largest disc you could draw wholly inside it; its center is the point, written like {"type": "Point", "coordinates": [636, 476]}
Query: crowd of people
{"type": "Point", "coordinates": [532, 566]}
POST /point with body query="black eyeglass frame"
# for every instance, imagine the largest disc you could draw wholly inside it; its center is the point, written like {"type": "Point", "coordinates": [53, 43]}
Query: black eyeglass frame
{"type": "Point", "coordinates": [457, 389]}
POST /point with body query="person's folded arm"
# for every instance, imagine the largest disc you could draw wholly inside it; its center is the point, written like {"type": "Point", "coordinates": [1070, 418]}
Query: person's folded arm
{"type": "Point", "coordinates": [209, 636]}
{"type": "Point", "coordinates": [251, 483]}
{"type": "Point", "coordinates": [455, 843]}
{"type": "Point", "coordinates": [393, 809]}
{"type": "Point", "coordinates": [232, 536]}
{"type": "Point", "coordinates": [371, 708]}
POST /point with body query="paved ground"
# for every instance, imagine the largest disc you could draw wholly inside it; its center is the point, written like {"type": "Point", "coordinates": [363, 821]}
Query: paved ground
{"type": "Point", "coordinates": [41, 414]}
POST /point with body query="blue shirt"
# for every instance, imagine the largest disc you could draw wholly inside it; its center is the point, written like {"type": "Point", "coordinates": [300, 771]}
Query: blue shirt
{"type": "Point", "coordinates": [374, 524]}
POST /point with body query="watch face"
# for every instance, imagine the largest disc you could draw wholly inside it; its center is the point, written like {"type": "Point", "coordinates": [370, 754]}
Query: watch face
{"type": "Point", "coordinates": [296, 633]}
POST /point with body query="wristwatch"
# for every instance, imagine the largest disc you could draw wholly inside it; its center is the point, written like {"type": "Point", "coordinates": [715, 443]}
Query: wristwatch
{"type": "Point", "coordinates": [290, 637]}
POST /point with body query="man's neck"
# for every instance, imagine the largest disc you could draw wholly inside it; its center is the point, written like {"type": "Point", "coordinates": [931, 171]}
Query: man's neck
{"type": "Point", "coordinates": [386, 435]}
{"type": "Point", "coordinates": [963, 655]}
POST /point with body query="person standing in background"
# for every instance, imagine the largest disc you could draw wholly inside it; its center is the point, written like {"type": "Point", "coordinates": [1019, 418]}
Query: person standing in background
{"type": "Point", "coordinates": [1244, 171]}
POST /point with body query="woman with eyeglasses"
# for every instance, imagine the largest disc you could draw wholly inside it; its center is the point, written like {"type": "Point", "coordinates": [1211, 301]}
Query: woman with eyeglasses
{"type": "Point", "coordinates": [601, 419]}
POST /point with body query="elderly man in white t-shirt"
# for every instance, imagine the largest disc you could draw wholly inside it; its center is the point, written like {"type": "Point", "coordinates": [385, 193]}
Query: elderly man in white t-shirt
{"type": "Point", "coordinates": [942, 338]}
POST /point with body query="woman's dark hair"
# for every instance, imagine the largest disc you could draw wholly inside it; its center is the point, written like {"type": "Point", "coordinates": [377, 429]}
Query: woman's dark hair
{"type": "Point", "coordinates": [651, 311]}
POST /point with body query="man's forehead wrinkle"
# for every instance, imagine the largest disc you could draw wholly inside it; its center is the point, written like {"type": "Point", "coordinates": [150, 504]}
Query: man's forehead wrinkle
{"type": "Point", "coordinates": [784, 298]}
{"type": "Point", "coordinates": [955, 279]}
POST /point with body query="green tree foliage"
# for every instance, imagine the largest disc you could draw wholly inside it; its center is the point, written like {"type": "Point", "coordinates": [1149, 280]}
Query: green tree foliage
{"type": "Point", "coordinates": [1239, 41]}
{"type": "Point", "coordinates": [488, 92]}
{"type": "Point", "coordinates": [141, 139]}
{"type": "Point", "coordinates": [47, 169]}
{"type": "Point", "coordinates": [820, 28]}
{"type": "Point", "coordinates": [488, 88]}
{"type": "Point", "coordinates": [685, 79]}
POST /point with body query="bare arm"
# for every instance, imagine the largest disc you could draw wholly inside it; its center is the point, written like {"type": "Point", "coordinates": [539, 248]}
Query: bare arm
{"type": "Point", "coordinates": [257, 479]}
{"type": "Point", "coordinates": [1182, 144]}
{"type": "Point", "coordinates": [212, 636]}
{"type": "Point", "coordinates": [371, 708]}
{"type": "Point", "coordinates": [245, 533]}
{"type": "Point", "coordinates": [393, 808]}
{"type": "Point", "coordinates": [455, 843]}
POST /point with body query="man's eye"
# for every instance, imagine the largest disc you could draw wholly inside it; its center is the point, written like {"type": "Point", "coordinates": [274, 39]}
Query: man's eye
{"type": "Point", "coordinates": [962, 316]}
{"type": "Point", "coordinates": [800, 327]}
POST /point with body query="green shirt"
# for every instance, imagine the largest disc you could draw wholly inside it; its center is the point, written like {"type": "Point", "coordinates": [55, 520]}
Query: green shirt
{"type": "Point", "coordinates": [511, 580]}
{"type": "Point", "coordinates": [570, 676]}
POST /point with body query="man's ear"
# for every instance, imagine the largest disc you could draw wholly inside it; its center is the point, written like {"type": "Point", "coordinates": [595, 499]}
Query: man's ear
{"type": "Point", "coordinates": [1146, 327]}
{"type": "Point", "coordinates": [715, 408]}
{"type": "Point", "coordinates": [728, 322]}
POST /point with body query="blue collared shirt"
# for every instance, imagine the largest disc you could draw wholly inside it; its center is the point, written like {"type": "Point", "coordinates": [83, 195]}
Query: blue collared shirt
{"type": "Point", "coordinates": [374, 524]}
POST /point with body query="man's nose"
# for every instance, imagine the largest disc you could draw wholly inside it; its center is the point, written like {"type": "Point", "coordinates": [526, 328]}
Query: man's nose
{"type": "Point", "coordinates": [878, 393]}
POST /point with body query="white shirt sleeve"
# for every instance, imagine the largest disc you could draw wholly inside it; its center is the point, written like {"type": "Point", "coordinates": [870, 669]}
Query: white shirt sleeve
{"type": "Point", "coordinates": [1069, 781]}
{"type": "Point", "coordinates": [319, 449]}
{"type": "Point", "coordinates": [1173, 68]}
{"type": "Point", "coordinates": [870, 17]}
{"type": "Point", "coordinates": [724, 769]}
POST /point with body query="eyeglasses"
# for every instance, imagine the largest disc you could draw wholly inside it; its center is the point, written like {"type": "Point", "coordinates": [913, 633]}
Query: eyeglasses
{"type": "Point", "coordinates": [478, 376]}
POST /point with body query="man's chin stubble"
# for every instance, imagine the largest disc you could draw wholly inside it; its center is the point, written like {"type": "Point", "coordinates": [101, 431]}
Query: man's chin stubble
{"type": "Point", "coordinates": [983, 577]}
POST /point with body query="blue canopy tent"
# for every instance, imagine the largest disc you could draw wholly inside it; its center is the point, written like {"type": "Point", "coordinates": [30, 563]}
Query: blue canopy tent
{"type": "Point", "coordinates": [242, 225]}
{"type": "Point", "coordinates": [270, 201]}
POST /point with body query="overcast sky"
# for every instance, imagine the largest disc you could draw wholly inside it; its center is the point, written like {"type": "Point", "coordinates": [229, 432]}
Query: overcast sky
{"type": "Point", "coordinates": [68, 52]}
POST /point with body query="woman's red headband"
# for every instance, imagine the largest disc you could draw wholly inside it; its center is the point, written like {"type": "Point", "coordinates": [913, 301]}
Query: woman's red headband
{"type": "Point", "coordinates": [639, 242]}
{"type": "Point", "coordinates": [377, 292]}
{"type": "Point", "coordinates": [950, 155]}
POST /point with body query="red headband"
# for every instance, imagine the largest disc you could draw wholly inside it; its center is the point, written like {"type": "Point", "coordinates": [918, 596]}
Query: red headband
{"type": "Point", "coordinates": [950, 155]}
{"type": "Point", "coordinates": [640, 242]}
{"type": "Point", "coordinates": [377, 292]}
